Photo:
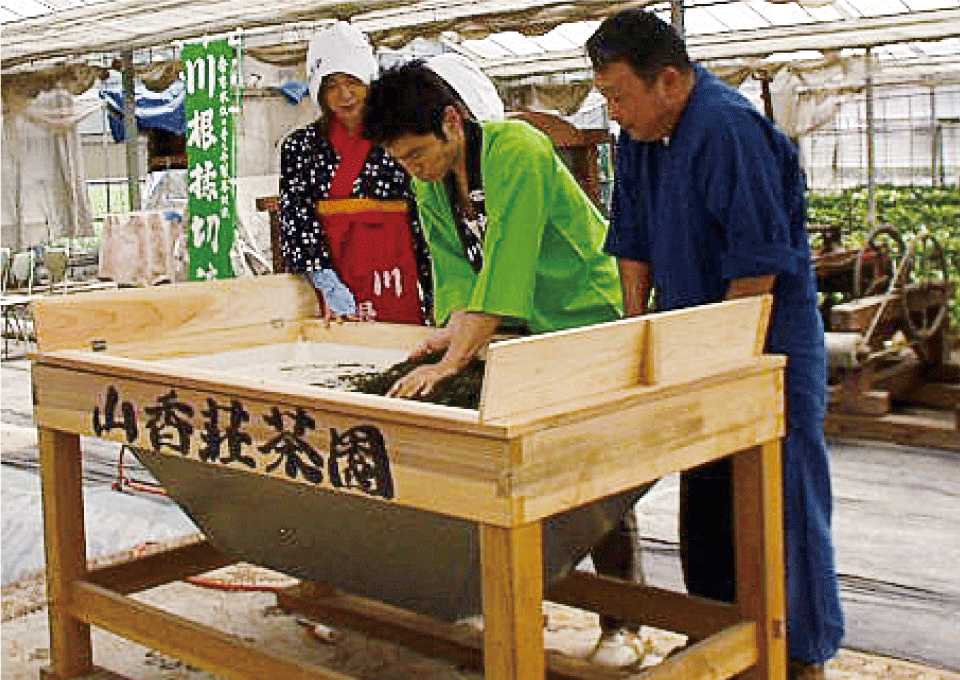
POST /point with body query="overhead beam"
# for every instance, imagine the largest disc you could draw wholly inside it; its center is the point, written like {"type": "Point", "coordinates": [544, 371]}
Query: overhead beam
{"type": "Point", "coordinates": [834, 35]}
{"type": "Point", "coordinates": [478, 18]}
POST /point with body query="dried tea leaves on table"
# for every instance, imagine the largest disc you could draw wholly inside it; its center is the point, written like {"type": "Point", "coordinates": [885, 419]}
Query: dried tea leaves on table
{"type": "Point", "coordinates": [461, 390]}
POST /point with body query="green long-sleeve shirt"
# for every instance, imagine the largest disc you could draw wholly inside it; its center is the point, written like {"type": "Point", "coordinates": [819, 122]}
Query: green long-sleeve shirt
{"type": "Point", "coordinates": [543, 251]}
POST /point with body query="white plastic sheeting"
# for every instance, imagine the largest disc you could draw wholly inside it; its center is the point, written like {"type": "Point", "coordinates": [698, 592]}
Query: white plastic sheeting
{"type": "Point", "coordinates": [44, 181]}
{"type": "Point", "coordinates": [531, 28]}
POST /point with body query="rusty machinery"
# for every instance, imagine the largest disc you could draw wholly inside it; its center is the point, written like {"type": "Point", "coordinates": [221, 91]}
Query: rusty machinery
{"type": "Point", "coordinates": [886, 311]}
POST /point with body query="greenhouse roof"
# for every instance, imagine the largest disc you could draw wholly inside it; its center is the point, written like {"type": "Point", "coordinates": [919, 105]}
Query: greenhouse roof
{"type": "Point", "coordinates": [506, 37]}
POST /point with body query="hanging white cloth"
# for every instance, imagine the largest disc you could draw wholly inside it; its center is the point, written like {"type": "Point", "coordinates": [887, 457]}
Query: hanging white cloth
{"type": "Point", "coordinates": [44, 178]}
{"type": "Point", "coordinates": [136, 248]}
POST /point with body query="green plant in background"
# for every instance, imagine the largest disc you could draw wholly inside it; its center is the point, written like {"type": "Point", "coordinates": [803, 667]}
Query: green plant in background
{"type": "Point", "coordinates": [909, 210]}
{"type": "Point", "coordinates": [81, 244]}
{"type": "Point", "coordinates": [100, 206]}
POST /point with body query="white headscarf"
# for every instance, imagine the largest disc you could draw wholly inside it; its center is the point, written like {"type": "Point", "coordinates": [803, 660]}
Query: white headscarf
{"type": "Point", "coordinates": [474, 87]}
{"type": "Point", "coordinates": [339, 48]}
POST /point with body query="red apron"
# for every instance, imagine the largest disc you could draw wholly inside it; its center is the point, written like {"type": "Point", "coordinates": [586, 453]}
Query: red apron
{"type": "Point", "coordinates": [372, 250]}
{"type": "Point", "coordinates": [373, 254]}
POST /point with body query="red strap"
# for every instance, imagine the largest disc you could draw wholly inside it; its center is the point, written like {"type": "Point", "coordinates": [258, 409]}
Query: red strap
{"type": "Point", "coordinates": [353, 151]}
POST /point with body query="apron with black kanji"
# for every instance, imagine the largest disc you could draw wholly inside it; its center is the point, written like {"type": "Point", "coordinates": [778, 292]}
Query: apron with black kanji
{"type": "Point", "coordinates": [370, 242]}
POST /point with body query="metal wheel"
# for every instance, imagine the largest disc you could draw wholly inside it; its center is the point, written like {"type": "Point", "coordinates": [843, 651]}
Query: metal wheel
{"type": "Point", "coordinates": [878, 260]}
{"type": "Point", "coordinates": [924, 285]}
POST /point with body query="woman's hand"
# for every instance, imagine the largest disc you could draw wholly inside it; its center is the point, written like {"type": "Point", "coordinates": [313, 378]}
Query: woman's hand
{"type": "Point", "coordinates": [335, 299]}
{"type": "Point", "coordinates": [325, 313]}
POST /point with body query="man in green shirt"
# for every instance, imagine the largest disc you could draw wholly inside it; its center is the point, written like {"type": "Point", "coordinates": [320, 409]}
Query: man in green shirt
{"type": "Point", "coordinates": [514, 241]}
{"type": "Point", "coordinates": [512, 235]}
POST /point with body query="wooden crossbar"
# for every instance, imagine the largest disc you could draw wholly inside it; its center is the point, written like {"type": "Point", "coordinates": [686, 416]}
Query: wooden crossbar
{"type": "Point", "coordinates": [222, 654]}
{"type": "Point", "coordinates": [650, 606]}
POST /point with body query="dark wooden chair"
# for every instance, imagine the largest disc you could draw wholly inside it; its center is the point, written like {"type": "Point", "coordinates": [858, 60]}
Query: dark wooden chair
{"type": "Point", "coordinates": [579, 149]}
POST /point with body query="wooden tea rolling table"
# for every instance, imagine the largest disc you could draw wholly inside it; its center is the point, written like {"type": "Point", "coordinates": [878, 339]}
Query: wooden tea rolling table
{"type": "Point", "coordinates": [565, 419]}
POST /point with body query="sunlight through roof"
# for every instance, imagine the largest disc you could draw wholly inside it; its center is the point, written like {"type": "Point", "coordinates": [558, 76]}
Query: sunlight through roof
{"type": "Point", "coordinates": [519, 29]}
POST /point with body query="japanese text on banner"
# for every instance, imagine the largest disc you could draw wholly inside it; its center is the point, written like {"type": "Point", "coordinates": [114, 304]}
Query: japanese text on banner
{"type": "Point", "coordinates": [211, 75]}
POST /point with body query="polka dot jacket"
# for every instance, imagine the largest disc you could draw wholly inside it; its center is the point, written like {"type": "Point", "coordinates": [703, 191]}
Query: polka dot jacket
{"type": "Point", "coordinates": [307, 164]}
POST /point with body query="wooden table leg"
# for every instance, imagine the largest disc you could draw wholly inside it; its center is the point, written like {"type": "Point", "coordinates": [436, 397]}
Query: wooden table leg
{"type": "Point", "coordinates": [758, 513]}
{"type": "Point", "coordinates": [71, 653]}
{"type": "Point", "coordinates": [512, 569]}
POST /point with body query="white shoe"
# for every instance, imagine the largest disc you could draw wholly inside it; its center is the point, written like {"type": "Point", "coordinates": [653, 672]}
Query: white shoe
{"type": "Point", "coordinates": [475, 622]}
{"type": "Point", "coordinates": [617, 649]}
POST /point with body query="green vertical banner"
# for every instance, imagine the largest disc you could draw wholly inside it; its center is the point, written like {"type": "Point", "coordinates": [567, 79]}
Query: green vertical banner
{"type": "Point", "coordinates": [211, 72]}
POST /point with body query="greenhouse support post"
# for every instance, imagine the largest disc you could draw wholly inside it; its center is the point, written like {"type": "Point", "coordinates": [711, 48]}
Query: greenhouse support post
{"type": "Point", "coordinates": [766, 95]}
{"type": "Point", "coordinates": [933, 136]}
{"type": "Point", "coordinates": [871, 145]}
{"type": "Point", "coordinates": [676, 15]}
{"type": "Point", "coordinates": [130, 130]}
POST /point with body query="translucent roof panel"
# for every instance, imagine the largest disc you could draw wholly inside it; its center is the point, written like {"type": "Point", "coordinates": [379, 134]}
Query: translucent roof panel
{"type": "Point", "coordinates": [515, 43]}
{"type": "Point", "coordinates": [699, 21]}
{"type": "Point", "coordinates": [523, 31]}
{"type": "Point", "coordinates": [63, 4]}
{"type": "Point", "coordinates": [825, 13]}
{"type": "Point", "coordinates": [941, 48]}
{"type": "Point", "coordinates": [485, 49]}
{"type": "Point", "coordinates": [781, 13]}
{"type": "Point", "coordinates": [738, 16]}
{"type": "Point", "coordinates": [925, 5]}
{"type": "Point", "coordinates": [874, 8]}
{"type": "Point", "coordinates": [577, 32]}
{"type": "Point", "coordinates": [554, 42]}
{"type": "Point", "coordinates": [714, 20]}
{"type": "Point", "coordinates": [21, 9]}
{"type": "Point", "coordinates": [898, 51]}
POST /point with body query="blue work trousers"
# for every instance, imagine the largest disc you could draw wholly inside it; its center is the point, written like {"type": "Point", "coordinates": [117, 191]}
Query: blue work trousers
{"type": "Point", "coordinates": [814, 618]}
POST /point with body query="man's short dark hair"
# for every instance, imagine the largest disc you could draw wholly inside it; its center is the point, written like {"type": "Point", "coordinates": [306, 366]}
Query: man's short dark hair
{"type": "Point", "coordinates": [409, 99]}
{"type": "Point", "coordinates": [642, 40]}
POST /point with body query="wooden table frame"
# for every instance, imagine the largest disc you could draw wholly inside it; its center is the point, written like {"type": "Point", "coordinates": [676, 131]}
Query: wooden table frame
{"type": "Point", "coordinates": [683, 402]}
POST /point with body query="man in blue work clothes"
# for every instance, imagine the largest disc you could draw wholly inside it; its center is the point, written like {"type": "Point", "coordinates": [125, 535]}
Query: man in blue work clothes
{"type": "Point", "coordinates": [709, 204]}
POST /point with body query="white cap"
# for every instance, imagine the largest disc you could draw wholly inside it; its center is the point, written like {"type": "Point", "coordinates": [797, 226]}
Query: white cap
{"type": "Point", "coordinates": [339, 48]}
{"type": "Point", "coordinates": [474, 87]}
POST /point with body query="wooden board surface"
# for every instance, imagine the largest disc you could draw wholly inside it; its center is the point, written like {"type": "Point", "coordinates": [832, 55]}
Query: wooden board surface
{"type": "Point", "coordinates": [689, 343]}
{"type": "Point", "coordinates": [129, 315]}
{"type": "Point", "coordinates": [648, 434]}
{"type": "Point", "coordinates": [561, 369]}
{"type": "Point", "coordinates": [445, 465]}
{"type": "Point", "coordinates": [897, 428]}
{"type": "Point", "coordinates": [225, 655]}
{"type": "Point", "coordinates": [442, 459]}
{"type": "Point", "coordinates": [536, 372]}
{"type": "Point", "coordinates": [512, 566]}
{"type": "Point", "coordinates": [60, 466]}
{"type": "Point", "coordinates": [371, 334]}
{"type": "Point", "coordinates": [351, 403]}
{"type": "Point", "coordinates": [567, 417]}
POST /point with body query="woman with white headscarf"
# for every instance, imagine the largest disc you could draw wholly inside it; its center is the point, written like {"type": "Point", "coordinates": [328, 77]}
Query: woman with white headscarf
{"type": "Point", "coordinates": [366, 265]}
{"type": "Point", "coordinates": [371, 262]}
